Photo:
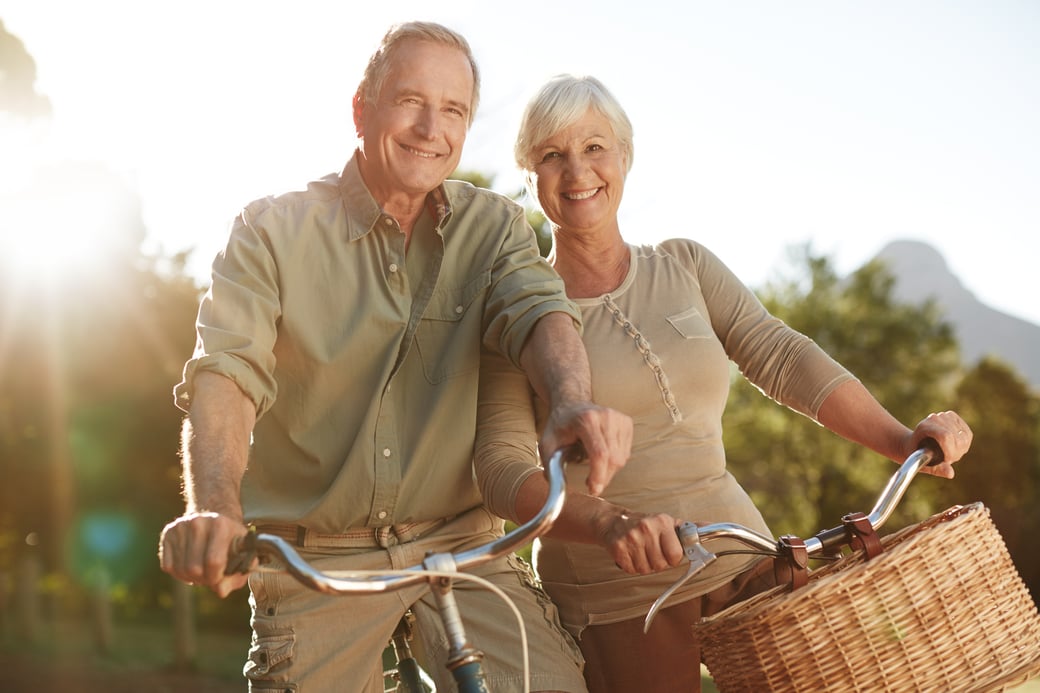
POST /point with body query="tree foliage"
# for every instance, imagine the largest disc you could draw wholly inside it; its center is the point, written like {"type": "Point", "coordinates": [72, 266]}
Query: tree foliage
{"type": "Point", "coordinates": [1002, 469]}
{"type": "Point", "coordinates": [802, 476]}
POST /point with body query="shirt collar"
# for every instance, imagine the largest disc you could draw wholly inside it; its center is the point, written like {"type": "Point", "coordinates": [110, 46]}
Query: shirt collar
{"type": "Point", "coordinates": [362, 210]}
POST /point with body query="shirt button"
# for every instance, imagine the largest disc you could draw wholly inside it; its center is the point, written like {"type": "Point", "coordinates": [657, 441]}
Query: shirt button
{"type": "Point", "coordinates": [388, 221]}
{"type": "Point", "coordinates": [393, 267]}
{"type": "Point", "coordinates": [381, 515]}
{"type": "Point", "coordinates": [458, 309]}
{"type": "Point", "coordinates": [386, 452]}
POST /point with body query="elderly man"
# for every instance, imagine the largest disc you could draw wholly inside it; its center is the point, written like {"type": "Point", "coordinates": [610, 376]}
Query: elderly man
{"type": "Point", "coordinates": [332, 394]}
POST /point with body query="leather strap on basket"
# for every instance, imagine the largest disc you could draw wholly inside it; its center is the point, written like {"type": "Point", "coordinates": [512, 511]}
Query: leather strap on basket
{"type": "Point", "coordinates": [792, 563]}
{"type": "Point", "coordinates": [861, 535]}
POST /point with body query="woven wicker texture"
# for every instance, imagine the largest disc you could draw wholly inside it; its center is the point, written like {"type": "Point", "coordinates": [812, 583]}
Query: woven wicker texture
{"type": "Point", "coordinates": [942, 609]}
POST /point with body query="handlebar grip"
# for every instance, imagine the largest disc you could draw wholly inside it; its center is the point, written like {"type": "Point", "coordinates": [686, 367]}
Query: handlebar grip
{"type": "Point", "coordinates": [242, 553]}
{"type": "Point", "coordinates": [931, 445]}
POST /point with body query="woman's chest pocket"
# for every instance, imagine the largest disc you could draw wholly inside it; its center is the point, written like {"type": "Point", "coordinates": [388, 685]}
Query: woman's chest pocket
{"type": "Point", "coordinates": [691, 324]}
{"type": "Point", "coordinates": [449, 334]}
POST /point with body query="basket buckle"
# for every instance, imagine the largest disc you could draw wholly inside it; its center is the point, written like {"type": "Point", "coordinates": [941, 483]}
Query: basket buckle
{"type": "Point", "coordinates": [792, 562]}
{"type": "Point", "coordinates": [861, 535]}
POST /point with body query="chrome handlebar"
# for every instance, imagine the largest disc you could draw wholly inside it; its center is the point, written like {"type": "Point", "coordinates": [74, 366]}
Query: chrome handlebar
{"type": "Point", "coordinates": [269, 545]}
{"type": "Point", "coordinates": [691, 536]}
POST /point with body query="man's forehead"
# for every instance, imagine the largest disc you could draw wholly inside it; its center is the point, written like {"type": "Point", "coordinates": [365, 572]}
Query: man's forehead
{"type": "Point", "coordinates": [419, 63]}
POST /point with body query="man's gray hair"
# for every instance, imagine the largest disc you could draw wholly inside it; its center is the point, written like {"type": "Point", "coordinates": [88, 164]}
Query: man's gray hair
{"type": "Point", "coordinates": [379, 64]}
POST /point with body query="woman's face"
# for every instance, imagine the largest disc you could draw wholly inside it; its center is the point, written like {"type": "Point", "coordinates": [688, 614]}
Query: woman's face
{"type": "Point", "coordinates": [580, 175]}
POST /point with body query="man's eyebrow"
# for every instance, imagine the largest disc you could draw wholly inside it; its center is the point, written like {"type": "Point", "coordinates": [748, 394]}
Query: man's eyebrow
{"type": "Point", "coordinates": [405, 93]}
{"type": "Point", "coordinates": [461, 105]}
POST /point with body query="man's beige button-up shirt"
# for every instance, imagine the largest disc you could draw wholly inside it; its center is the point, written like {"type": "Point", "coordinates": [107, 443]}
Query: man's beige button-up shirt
{"type": "Point", "coordinates": [364, 379]}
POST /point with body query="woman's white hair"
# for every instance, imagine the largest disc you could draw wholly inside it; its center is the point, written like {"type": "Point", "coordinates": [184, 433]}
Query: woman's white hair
{"type": "Point", "coordinates": [561, 102]}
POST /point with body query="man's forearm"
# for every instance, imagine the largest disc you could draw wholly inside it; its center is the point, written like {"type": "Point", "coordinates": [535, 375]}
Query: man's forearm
{"type": "Point", "coordinates": [557, 366]}
{"type": "Point", "coordinates": [555, 361]}
{"type": "Point", "coordinates": [215, 445]}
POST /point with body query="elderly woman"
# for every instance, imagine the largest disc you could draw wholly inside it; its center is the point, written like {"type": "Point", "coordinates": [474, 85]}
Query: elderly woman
{"type": "Point", "coordinates": [661, 325]}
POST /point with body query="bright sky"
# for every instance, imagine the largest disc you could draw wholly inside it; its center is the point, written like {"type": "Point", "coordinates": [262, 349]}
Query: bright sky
{"type": "Point", "coordinates": [758, 124]}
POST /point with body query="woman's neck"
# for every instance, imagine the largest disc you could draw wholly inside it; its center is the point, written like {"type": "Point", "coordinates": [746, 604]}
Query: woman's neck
{"type": "Point", "coordinates": [590, 265]}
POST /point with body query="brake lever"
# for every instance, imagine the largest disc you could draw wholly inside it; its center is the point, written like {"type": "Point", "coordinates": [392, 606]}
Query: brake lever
{"type": "Point", "coordinates": [699, 558]}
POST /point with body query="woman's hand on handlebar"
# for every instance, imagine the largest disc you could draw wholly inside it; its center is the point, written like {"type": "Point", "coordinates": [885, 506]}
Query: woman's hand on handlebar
{"type": "Point", "coordinates": [951, 433]}
{"type": "Point", "coordinates": [194, 548]}
{"type": "Point", "coordinates": [642, 543]}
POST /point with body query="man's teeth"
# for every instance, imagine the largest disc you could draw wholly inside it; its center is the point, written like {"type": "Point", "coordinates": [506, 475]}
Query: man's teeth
{"type": "Point", "coordinates": [582, 195]}
{"type": "Point", "coordinates": [425, 155]}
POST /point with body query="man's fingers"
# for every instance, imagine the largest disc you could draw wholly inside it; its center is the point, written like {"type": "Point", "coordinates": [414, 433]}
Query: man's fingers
{"type": "Point", "coordinates": [228, 584]}
{"type": "Point", "coordinates": [611, 438]}
{"type": "Point", "coordinates": [599, 473]}
{"type": "Point", "coordinates": [194, 549]}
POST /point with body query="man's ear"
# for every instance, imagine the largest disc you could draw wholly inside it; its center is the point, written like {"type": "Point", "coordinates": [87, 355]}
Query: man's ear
{"type": "Point", "coordinates": [359, 114]}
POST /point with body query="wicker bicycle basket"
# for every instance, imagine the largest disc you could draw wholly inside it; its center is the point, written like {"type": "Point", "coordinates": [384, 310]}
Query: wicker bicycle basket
{"type": "Point", "coordinates": [941, 609]}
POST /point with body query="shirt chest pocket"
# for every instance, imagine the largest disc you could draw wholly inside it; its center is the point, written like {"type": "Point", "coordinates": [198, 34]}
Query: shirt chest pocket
{"type": "Point", "coordinates": [691, 324]}
{"type": "Point", "coordinates": [449, 334]}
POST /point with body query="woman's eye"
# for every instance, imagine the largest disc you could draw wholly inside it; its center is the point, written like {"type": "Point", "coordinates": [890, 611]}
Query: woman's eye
{"type": "Point", "coordinates": [549, 156]}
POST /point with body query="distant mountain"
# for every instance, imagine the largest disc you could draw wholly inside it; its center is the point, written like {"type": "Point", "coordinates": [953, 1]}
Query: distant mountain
{"type": "Point", "coordinates": [922, 273]}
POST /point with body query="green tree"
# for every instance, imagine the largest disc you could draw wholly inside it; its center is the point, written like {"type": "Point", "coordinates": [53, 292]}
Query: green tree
{"type": "Point", "coordinates": [802, 476]}
{"type": "Point", "coordinates": [1002, 469]}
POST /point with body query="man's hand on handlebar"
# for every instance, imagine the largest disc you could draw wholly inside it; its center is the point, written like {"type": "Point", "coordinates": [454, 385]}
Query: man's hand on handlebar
{"type": "Point", "coordinates": [194, 548]}
{"type": "Point", "coordinates": [605, 433]}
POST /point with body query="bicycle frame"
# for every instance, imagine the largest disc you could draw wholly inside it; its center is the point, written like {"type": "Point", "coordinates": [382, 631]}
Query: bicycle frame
{"type": "Point", "coordinates": [464, 660]}
{"type": "Point", "coordinates": [822, 543]}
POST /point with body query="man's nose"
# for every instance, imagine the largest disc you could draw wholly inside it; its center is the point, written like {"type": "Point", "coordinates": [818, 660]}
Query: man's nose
{"type": "Point", "coordinates": [427, 123]}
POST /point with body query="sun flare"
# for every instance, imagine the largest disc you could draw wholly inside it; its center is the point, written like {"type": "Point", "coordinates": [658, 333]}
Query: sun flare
{"type": "Point", "coordinates": [68, 221]}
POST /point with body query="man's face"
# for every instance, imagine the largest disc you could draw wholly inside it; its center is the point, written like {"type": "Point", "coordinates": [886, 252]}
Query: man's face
{"type": "Point", "coordinates": [414, 131]}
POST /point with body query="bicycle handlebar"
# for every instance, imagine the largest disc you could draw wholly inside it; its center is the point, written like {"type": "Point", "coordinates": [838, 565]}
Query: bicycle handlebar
{"type": "Point", "coordinates": [690, 535]}
{"type": "Point", "coordinates": [269, 545]}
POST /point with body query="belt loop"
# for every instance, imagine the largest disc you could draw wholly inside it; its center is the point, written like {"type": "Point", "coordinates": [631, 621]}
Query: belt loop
{"type": "Point", "coordinates": [385, 536]}
{"type": "Point", "coordinates": [301, 536]}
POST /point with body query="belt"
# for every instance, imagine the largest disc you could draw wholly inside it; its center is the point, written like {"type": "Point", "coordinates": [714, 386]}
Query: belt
{"type": "Point", "coordinates": [360, 538]}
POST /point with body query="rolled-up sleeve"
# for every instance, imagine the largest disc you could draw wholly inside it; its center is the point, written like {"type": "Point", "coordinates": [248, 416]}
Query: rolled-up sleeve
{"type": "Point", "coordinates": [238, 318]}
{"type": "Point", "coordinates": [506, 448]}
{"type": "Point", "coordinates": [524, 288]}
